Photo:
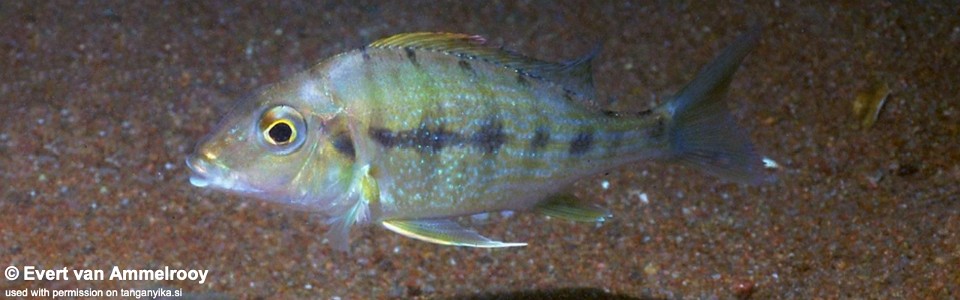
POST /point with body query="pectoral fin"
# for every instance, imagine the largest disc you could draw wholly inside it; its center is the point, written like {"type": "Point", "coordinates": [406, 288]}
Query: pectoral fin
{"type": "Point", "coordinates": [444, 232]}
{"type": "Point", "coordinates": [366, 191]}
{"type": "Point", "coordinates": [568, 207]}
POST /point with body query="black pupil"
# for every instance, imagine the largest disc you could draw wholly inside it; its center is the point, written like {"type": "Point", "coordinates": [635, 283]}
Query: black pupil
{"type": "Point", "coordinates": [281, 133]}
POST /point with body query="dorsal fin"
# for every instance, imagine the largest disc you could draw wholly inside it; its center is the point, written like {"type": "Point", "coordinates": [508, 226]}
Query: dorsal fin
{"type": "Point", "coordinates": [574, 76]}
{"type": "Point", "coordinates": [577, 75]}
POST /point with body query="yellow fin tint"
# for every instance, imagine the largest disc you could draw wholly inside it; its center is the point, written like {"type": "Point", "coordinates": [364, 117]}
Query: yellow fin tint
{"type": "Point", "coordinates": [369, 188]}
{"type": "Point", "coordinates": [444, 232]}
{"type": "Point", "coordinates": [568, 207]}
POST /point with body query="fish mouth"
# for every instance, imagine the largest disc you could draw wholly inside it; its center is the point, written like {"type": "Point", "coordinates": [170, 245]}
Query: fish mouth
{"type": "Point", "coordinates": [207, 174]}
{"type": "Point", "coordinates": [200, 171]}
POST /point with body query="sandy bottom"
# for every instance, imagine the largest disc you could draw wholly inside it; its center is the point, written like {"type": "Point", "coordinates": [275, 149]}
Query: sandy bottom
{"type": "Point", "coordinates": [101, 104]}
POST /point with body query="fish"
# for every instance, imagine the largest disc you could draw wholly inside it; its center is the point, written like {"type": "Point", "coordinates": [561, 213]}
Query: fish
{"type": "Point", "coordinates": [416, 129]}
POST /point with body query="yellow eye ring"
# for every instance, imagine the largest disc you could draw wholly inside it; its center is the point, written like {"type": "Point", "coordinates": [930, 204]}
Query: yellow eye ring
{"type": "Point", "coordinates": [280, 135]}
{"type": "Point", "coordinates": [282, 129]}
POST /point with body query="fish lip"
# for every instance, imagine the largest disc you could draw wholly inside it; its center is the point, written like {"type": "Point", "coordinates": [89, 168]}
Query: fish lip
{"type": "Point", "coordinates": [200, 171]}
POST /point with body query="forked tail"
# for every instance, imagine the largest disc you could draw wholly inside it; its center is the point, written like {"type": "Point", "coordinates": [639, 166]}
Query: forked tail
{"type": "Point", "coordinates": [702, 131]}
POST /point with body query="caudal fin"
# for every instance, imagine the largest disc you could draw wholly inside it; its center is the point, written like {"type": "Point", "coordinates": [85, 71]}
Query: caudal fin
{"type": "Point", "coordinates": [702, 132]}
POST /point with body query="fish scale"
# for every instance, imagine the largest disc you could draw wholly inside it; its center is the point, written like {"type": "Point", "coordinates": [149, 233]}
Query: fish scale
{"type": "Point", "coordinates": [418, 128]}
{"type": "Point", "coordinates": [435, 88]}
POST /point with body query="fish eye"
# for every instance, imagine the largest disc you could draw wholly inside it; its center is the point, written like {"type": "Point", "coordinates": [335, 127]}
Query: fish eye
{"type": "Point", "coordinates": [282, 129]}
{"type": "Point", "coordinates": [281, 132]}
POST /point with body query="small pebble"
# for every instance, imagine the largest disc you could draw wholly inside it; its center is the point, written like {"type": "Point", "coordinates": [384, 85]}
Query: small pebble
{"type": "Point", "coordinates": [770, 163]}
{"type": "Point", "coordinates": [650, 269]}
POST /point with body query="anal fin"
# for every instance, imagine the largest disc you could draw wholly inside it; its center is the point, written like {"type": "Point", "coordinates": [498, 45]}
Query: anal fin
{"type": "Point", "coordinates": [444, 232]}
{"type": "Point", "coordinates": [568, 207]}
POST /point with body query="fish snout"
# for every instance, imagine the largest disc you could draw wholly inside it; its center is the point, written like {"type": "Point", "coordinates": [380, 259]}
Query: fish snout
{"type": "Point", "coordinates": [207, 173]}
{"type": "Point", "coordinates": [200, 171]}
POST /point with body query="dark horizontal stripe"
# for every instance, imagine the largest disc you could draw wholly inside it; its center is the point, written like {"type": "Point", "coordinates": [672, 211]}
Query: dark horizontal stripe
{"type": "Point", "coordinates": [540, 138]}
{"type": "Point", "coordinates": [489, 138]}
{"type": "Point", "coordinates": [582, 143]}
{"type": "Point", "coordinates": [423, 138]}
